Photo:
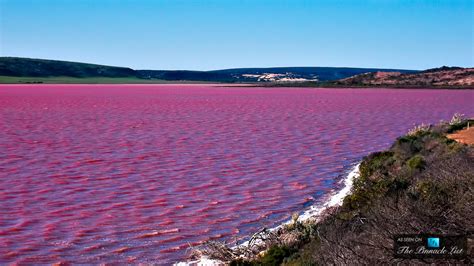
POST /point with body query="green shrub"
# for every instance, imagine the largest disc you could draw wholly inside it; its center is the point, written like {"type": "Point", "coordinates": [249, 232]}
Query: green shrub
{"type": "Point", "coordinates": [423, 181]}
{"type": "Point", "coordinates": [399, 183]}
{"type": "Point", "coordinates": [241, 262]}
{"type": "Point", "coordinates": [461, 125]}
{"type": "Point", "coordinates": [375, 161]}
{"type": "Point", "coordinates": [407, 146]}
{"type": "Point", "coordinates": [346, 215]}
{"type": "Point", "coordinates": [416, 162]}
{"type": "Point", "coordinates": [353, 201]}
{"type": "Point", "coordinates": [434, 193]}
{"type": "Point", "coordinates": [275, 255]}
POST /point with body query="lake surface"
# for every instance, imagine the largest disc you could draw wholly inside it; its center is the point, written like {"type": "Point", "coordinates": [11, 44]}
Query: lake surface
{"type": "Point", "coordinates": [137, 173]}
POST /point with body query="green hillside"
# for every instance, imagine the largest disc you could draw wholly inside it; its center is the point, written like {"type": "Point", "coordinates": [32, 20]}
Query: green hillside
{"type": "Point", "coordinates": [27, 70]}
{"type": "Point", "coordinates": [26, 67]}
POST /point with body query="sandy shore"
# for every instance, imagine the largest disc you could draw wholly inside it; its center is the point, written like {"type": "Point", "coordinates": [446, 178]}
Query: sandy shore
{"type": "Point", "coordinates": [465, 136]}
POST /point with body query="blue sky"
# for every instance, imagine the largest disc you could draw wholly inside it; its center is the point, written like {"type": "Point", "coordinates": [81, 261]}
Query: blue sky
{"type": "Point", "coordinates": [216, 34]}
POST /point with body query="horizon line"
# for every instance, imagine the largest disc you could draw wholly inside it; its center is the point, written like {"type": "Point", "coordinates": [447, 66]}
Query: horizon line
{"type": "Point", "coordinates": [210, 70]}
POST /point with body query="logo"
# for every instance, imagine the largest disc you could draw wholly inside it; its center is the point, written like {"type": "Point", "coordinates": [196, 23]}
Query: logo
{"type": "Point", "coordinates": [433, 242]}
{"type": "Point", "coordinates": [419, 246]}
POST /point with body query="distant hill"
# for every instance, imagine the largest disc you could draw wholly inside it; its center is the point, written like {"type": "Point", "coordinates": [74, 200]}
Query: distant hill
{"type": "Point", "coordinates": [442, 77]}
{"type": "Point", "coordinates": [41, 68]}
{"type": "Point", "coordinates": [184, 75]}
{"type": "Point", "coordinates": [26, 67]}
{"type": "Point", "coordinates": [275, 74]}
{"type": "Point", "coordinates": [300, 73]}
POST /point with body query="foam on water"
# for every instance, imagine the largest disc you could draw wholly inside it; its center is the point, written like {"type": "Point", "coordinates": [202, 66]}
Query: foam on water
{"type": "Point", "coordinates": [314, 213]}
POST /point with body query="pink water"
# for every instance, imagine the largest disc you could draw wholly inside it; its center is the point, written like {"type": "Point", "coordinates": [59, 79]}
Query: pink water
{"type": "Point", "coordinates": [136, 173]}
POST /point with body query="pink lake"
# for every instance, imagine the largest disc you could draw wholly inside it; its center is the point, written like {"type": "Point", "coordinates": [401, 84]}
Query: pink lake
{"type": "Point", "coordinates": [137, 173]}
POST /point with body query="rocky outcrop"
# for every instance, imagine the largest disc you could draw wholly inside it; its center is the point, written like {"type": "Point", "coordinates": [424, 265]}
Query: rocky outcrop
{"type": "Point", "coordinates": [440, 77]}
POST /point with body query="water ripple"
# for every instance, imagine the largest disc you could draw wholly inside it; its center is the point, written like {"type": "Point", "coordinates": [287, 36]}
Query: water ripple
{"type": "Point", "coordinates": [136, 174]}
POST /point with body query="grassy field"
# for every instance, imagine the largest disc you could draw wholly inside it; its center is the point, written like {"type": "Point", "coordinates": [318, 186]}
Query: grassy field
{"type": "Point", "coordinates": [90, 80]}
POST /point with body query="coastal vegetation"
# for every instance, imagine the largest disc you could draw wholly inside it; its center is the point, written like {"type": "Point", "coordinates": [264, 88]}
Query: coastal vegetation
{"type": "Point", "coordinates": [437, 77]}
{"type": "Point", "coordinates": [424, 183]}
{"type": "Point", "coordinates": [76, 80]}
{"type": "Point", "coordinates": [26, 67]}
{"type": "Point", "coordinates": [27, 70]}
{"type": "Point", "coordinates": [14, 70]}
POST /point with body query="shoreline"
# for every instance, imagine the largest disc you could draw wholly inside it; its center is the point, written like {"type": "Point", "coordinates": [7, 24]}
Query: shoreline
{"type": "Point", "coordinates": [313, 214]}
{"type": "Point", "coordinates": [240, 85]}
{"type": "Point", "coordinates": [245, 85]}
{"type": "Point", "coordinates": [392, 192]}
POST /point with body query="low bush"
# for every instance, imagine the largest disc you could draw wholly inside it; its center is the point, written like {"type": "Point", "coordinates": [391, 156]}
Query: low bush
{"type": "Point", "coordinates": [416, 162]}
{"type": "Point", "coordinates": [375, 162]}
{"type": "Point", "coordinates": [423, 183]}
{"type": "Point", "coordinates": [461, 125]}
{"type": "Point", "coordinates": [275, 255]}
